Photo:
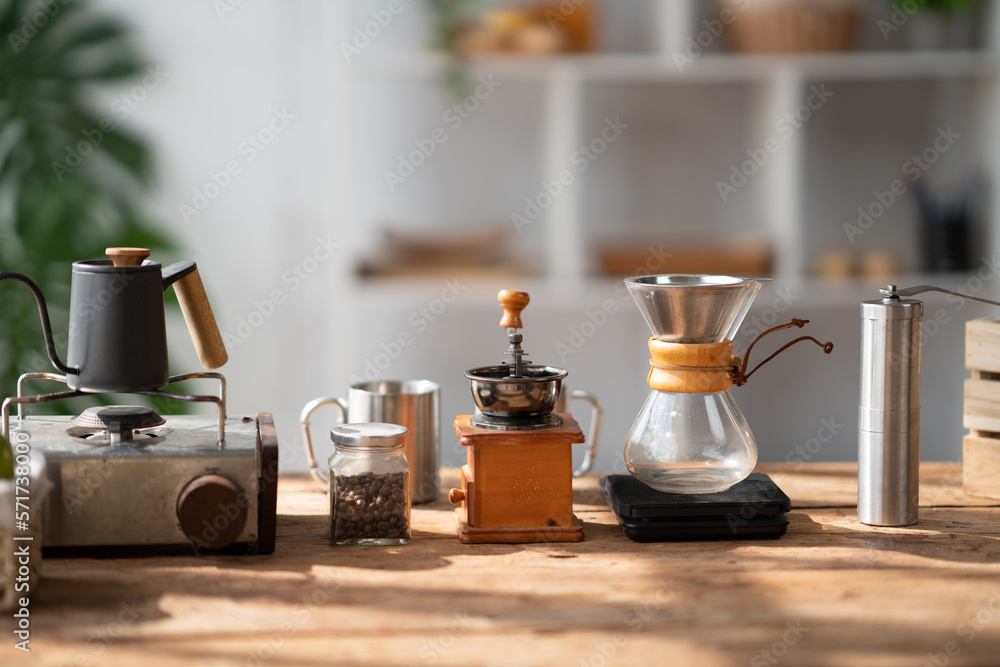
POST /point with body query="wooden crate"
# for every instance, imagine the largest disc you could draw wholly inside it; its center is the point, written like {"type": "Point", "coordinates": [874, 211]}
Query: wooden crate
{"type": "Point", "coordinates": [981, 414]}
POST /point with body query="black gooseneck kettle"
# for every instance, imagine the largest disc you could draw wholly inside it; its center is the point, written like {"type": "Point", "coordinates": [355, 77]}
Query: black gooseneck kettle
{"type": "Point", "coordinates": [117, 330]}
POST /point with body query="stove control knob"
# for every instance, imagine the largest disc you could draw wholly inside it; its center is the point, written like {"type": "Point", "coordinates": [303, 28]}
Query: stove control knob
{"type": "Point", "coordinates": [212, 511]}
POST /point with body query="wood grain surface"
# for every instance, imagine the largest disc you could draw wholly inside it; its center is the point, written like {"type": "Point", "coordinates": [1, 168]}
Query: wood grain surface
{"type": "Point", "coordinates": [831, 592]}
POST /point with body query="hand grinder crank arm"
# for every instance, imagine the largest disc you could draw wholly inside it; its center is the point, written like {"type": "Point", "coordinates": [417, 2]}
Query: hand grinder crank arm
{"type": "Point", "coordinates": [891, 291]}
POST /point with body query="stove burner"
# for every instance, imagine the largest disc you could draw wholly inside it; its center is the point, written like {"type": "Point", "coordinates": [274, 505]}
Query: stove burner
{"type": "Point", "coordinates": [495, 423]}
{"type": "Point", "coordinates": [119, 420]}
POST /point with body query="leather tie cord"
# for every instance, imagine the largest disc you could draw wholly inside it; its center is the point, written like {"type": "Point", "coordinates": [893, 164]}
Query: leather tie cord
{"type": "Point", "coordinates": [740, 376]}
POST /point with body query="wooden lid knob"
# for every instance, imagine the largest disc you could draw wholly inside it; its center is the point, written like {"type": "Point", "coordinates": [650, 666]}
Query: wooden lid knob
{"type": "Point", "coordinates": [127, 256]}
{"type": "Point", "coordinates": [512, 303]}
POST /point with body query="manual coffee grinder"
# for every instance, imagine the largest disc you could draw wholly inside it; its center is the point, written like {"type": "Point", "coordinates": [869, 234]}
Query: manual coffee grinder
{"type": "Point", "coordinates": [889, 404]}
{"type": "Point", "coordinates": [518, 483]}
{"type": "Point", "coordinates": [690, 445]}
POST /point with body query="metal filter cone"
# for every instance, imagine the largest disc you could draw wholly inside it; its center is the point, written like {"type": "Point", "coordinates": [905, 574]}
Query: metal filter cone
{"type": "Point", "coordinates": [689, 308]}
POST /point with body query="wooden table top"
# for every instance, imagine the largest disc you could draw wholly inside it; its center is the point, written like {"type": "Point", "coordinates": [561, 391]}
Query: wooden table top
{"type": "Point", "coordinates": [831, 592]}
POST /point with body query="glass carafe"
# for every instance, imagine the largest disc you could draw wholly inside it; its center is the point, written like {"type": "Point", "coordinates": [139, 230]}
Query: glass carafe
{"type": "Point", "coordinates": [693, 438]}
{"type": "Point", "coordinates": [690, 443]}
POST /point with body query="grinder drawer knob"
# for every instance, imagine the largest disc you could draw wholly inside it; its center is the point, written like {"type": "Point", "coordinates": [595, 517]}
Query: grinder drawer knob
{"type": "Point", "coordinates": [212, 511]}
{"type": "Point", "coordinates": [455, 496]}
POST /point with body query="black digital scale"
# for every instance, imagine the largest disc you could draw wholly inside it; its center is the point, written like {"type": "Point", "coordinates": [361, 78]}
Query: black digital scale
{"type": "Point", "coordinates": [751, 509]}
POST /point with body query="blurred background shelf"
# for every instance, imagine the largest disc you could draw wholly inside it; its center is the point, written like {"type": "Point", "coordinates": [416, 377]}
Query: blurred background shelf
{"type": "Point", "coordinates": [710, 67]}
{"type": "Point", "coordinates": [376, 142]}
{"type": "Point", "coordinates": [677, 176]}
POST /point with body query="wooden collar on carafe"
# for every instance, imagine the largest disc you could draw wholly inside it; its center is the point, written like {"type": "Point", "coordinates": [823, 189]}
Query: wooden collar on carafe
{"type": "Point", "coordinates": [700, 368]}
{"type": "Point", "coordinates": [691, 368]}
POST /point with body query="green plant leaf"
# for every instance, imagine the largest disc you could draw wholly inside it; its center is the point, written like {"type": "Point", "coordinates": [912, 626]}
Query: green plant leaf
{"type": "Point", "coordinates": [6, 459]}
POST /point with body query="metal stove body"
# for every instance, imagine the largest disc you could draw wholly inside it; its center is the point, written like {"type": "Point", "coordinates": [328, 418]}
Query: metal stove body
{"type": "Point", "coordinates": [127, 482]}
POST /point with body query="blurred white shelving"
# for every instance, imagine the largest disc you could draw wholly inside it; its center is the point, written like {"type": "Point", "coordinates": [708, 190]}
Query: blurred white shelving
{"type": "Point", "coordinates": [710, 67]}
{"type": "Point", "coordinates": [773, 86]}
{"type": "Point", "coordinates": [688, 127]}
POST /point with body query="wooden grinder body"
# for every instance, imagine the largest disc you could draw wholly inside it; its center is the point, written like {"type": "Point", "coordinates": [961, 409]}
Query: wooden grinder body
{"type": "Point", "coordinates": [517, 485]}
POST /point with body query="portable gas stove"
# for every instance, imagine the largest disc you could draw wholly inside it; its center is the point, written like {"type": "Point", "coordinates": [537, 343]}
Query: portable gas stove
{"type": "Point", "coordinates": [129, 482]}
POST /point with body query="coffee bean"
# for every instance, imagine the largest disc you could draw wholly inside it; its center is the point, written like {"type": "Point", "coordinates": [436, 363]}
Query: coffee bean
{"type": "Point", "coordinates": [369, 506]}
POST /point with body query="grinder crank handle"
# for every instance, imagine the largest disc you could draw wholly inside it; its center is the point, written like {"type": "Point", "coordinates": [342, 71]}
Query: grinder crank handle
{"type": "Point", "coordinates": [920, 289]}
{"type": "Point", "coordinates": [304, 417]}
{"type": "Point", "coordinates": [197, 313]}
{"type": "Point", "coordinates": [595, 429]}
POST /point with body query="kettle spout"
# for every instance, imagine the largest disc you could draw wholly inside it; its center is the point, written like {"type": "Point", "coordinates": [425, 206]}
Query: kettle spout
{"type": "Point", "coordinates": [43, 313]}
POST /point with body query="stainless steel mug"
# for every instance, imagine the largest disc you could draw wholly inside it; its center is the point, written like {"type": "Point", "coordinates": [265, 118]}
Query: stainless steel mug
{"type": "Point", "coordinates": [562, 403]}
{"type": "Point", "coordinates": [415, 404]}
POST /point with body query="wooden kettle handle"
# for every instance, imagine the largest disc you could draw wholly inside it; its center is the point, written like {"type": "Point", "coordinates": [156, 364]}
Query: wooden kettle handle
{"type": "Point", "coordinates": [513, 303]}
{"type": "Point", "coordinates": [200, 320]}
{"type": "Point", "coordinates": [127, 256]}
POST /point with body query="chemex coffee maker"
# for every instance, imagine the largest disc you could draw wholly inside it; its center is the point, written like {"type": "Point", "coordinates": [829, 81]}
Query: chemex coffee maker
{"type": "Point", "coordinates": [690, 449]}
{"type": "Point", "coordinates": [125, 480]}
{"type": "Point", "coordinates": [517, 486]}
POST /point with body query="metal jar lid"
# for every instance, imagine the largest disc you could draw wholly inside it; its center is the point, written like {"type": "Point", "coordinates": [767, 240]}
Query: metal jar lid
{"type": "Point", "coordinates": [369, 435]}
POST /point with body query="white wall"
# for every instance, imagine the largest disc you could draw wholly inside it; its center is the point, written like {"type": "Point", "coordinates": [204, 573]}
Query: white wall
{"type": "Point", "coordinates": [226, 76]}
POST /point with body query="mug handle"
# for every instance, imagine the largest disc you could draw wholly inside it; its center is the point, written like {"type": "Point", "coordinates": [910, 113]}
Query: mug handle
{"type": "Point", "coordinates": [307, 411]}
{"type": "Point", "coordinates": [595, 429]}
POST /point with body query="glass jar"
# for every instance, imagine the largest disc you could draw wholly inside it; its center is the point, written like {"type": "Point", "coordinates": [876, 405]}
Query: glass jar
{"type": "Point", "coordinates": [369, 485]}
